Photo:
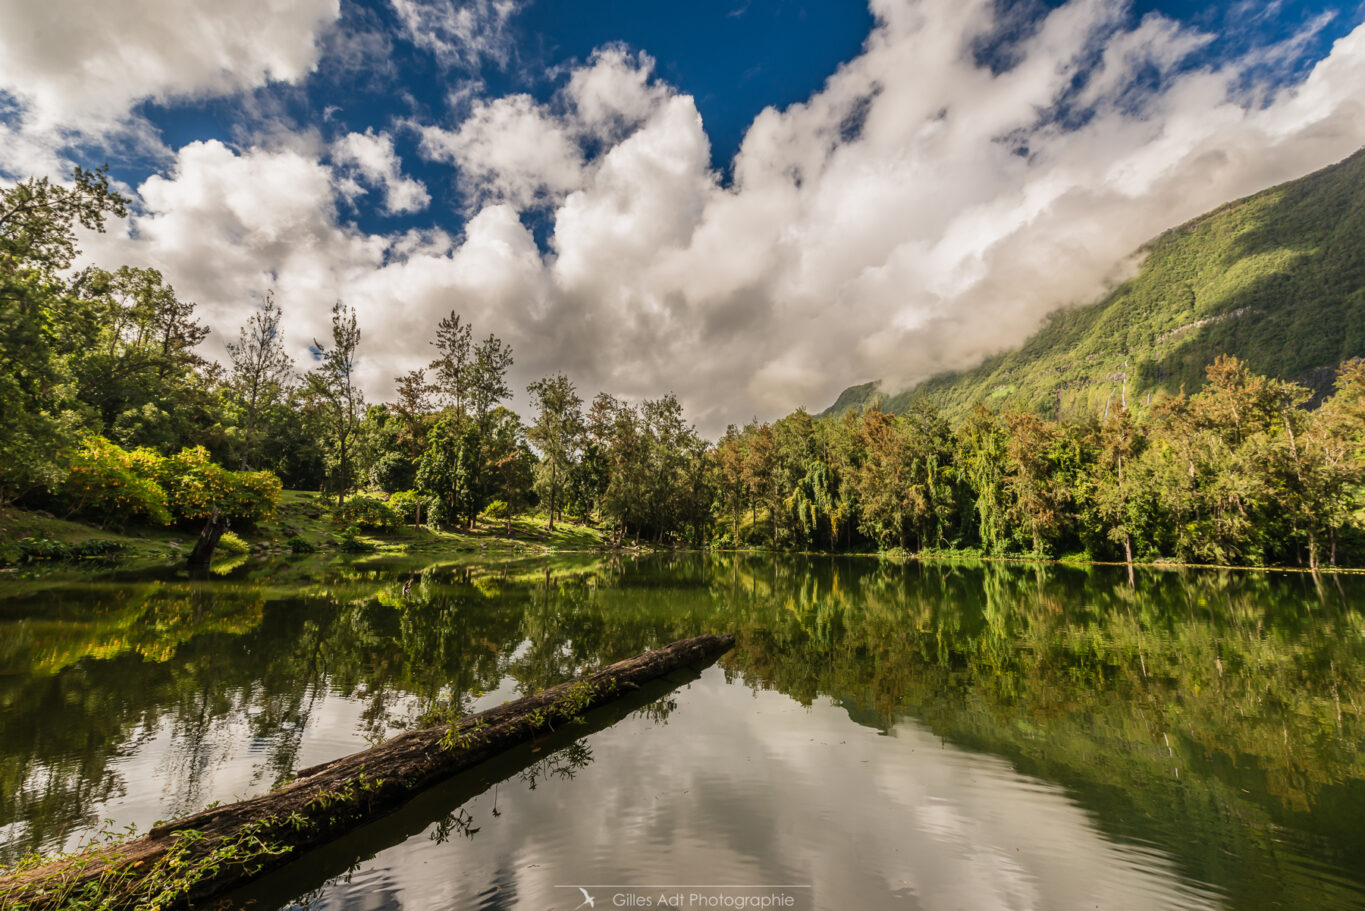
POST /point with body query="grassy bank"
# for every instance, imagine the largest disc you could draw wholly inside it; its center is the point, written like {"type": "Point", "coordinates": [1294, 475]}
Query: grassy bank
{"type": "Point", "coordinates": [303, 518]}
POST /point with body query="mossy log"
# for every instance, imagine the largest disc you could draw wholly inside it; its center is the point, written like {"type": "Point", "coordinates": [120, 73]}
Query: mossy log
{"type": "Point", "coordinates": [205, 854]}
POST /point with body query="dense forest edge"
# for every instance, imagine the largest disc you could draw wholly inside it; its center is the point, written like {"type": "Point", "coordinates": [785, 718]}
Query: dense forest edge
{"type": "Point", "coordinates": [110, 418]}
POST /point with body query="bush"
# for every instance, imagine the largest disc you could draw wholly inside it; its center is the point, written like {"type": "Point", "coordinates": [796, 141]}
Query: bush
{"type": "Point", "coordinates": [365, 513]}
{"type": "Point", "coordinates": [31, 549]}
{"type": "Point", "coordinates": [348, 542]}
{"type": "Point", "coordinates": [298, 544]}
{"type": "Point", "coordinates": [233, 544]}
{"type": "Point", "coordinates": [107, 483]}
{"type": "Point", "coordinates": [498, 509]}
{"type": "Point", "coordinates": [406, 503]}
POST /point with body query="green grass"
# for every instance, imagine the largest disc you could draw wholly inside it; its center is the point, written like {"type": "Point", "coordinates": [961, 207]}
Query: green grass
{"type": "Point", "coordinates": [1277, 279]}
{"type": "Point", "coordinates": [139, 543]}
{"type": "Point", "coordinates": [307, 515]}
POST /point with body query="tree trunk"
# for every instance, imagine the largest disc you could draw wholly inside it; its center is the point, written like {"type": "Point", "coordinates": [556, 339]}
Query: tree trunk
{"type": "Point", "coordinates": [554, 480]}
{"type": "Point", "coordinates": [327, 800]}
{"type": "Point", "coordinates": [208, 539]}
{"type": "Point", "coordinates": [1128, 558]}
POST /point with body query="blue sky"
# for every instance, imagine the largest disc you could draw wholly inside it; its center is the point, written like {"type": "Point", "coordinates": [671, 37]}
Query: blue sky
{"type": "Point", "coordinates": [570, 176]}
{"type": "Point", "coordinates": [735, 57]}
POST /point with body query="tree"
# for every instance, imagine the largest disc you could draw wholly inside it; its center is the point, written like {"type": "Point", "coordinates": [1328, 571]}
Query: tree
{"type": "Point", "coordinates": [1316, 462]}
{"type": "Point", "coordinates": [261, 369]}
{"type": "Point", "coordinates": [510, 463]}
{"type": "Point", "coordinates": [333, 381]}
{"type": "Point", "coordinates": [1115, 480]}
{"type": "Point", "coordinates": [558, 434]}
{"type": "Point", "coordinates": [452, 364]}
{"type": "Point", "coordinates": [729, 458]}
{"type": "Point", "coordinates": [1036, 500]}
{"type": "Point", "coordinates": [449, 469]}
{"type": "Point", "coordinates": [487, 385]}
{"type": "Point", "coordinates": [760, 473]}
{"type": "Point", "coordinates": [42, 323]}
{"type": "Point", "coordinates": [981, 464]}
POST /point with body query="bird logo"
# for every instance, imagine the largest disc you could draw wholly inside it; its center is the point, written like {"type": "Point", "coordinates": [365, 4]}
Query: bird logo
{"type": "Point", "coordinates": [587, 899]}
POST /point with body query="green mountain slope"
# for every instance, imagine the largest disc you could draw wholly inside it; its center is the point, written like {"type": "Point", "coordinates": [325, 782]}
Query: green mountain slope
{"type": "Point", "coordinates": [1277, 279]}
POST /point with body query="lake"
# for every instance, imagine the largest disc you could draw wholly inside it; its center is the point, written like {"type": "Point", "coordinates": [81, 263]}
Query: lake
{"type": "Point", "coordinates": [883, 735]}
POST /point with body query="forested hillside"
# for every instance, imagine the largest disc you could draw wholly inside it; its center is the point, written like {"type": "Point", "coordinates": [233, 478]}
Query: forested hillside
{"type": "Point", "coordinates": [1276, 279]}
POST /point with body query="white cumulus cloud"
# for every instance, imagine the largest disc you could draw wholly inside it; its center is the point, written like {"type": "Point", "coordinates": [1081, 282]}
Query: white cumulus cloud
{"type": "Point", "coordinates": [373, 157]}
{"type": "Point", "coordinates": [921, 211]}
{"type": "Point", "coordinates": [75, 69]}
{"type": "Point", "coordinates": [459, 33]}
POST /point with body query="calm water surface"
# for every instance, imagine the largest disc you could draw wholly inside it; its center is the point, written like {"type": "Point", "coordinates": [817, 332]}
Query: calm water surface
{"type": "Point", "coordinates": [883, 735]}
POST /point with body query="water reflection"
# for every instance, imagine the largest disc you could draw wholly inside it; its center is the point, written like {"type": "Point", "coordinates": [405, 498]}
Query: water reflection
{"type": "Point", "coordinates": [924, 735]}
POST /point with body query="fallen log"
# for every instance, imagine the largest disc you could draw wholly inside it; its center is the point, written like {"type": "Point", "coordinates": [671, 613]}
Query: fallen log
{"type": "Point", "coordinates": [202, 855]}
{"type": "Point", "coordinates": [315, 869]}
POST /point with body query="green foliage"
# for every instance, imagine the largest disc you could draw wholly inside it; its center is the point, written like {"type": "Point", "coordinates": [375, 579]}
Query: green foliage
{"type": "Point", "coordinates": [393, 471]}
{"type": "Point", "coordinates": [1239, 473]}
{"type": "Point", "coordinates": [232, 543]}
{"type": "Point", "coordinates": [365, 513]}
{"type": "Point", "coordinates": [46, 325]}
{"type": "Point", "coordinates": [338, 399]}
{"type": "Point", "coordinates": [112, 485]}
{"type": "Point", "coordinates": [450, 470]}
{"type": "Point", "coordinates": [348, 541]}
{"type": "Point", "coordinates": [410, 506]}
{"type": "Point", "coordinates": [300, 545]}
{"type": "Point", "coordinates": [195, 486]}
{"type": "Point", "coordinates": [36, 548]}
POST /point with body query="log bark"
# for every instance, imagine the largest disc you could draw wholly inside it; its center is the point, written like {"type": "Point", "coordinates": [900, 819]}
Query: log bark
{"type": "Point", "coordinates": [205, 854]}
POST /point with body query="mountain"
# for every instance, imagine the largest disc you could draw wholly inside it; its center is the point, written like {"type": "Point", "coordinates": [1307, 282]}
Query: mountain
{"type": "Point", "coordinates": [1277, 279]}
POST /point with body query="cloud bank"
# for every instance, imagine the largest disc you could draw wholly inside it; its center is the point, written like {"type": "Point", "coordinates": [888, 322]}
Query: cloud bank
{"type": "Point", "coordinates": [929, 206]}
{"type": "Point", "coordinates": [74, 70]}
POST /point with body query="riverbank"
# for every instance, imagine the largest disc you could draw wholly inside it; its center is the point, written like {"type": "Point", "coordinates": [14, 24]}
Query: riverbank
{"type": "Point", "coordinates": [302, 525]}
{"type": "Point", "coordinates": [35, 542]}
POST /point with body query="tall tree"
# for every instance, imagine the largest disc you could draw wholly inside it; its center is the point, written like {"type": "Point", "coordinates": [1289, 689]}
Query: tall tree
{"type": "Point", "coordinates": [333, 381]}
{"type": "Point", "coordinates": [42, 322]}
{"type": "Point", "coordinates": [413, 408]}
{"type": "Point", "coordinates": [558, 433]}
{"type": "Point", "coordinates": [454, 350]}
{"type": "Point", "coordinates": [450, 468]}
{"type": "Point", "coordinates": [982, 463]}
{"type": "Point", "coordinates": [261, 369]}
{"type": "Point", "coordinates": [1115, 479]}
{"type": "Point", "coordinates": [510, 464]}
{"type": "Point", "coordinates": [487, 386]}
{"type": "Point", "coordinates": [729, 458]}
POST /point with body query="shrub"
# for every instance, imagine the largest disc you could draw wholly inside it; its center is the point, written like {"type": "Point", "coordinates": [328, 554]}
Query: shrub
{"type": "Point", "coordinates": [31, 549]}
{"type": "Point", "coordinates": [106, 482]}
{"type": "Point", "coordinates": [233, 544]}
{"type": "Point", "coordinates": [365, 513]}
{"type": "Point", "coordinates": [298, 544]}
{"type": "Point", "coordinates": [406, 503]}
{"type": "Point", "coordinates": [498, 509]}
{"type": "Point", "coordinates": [348, 542]}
